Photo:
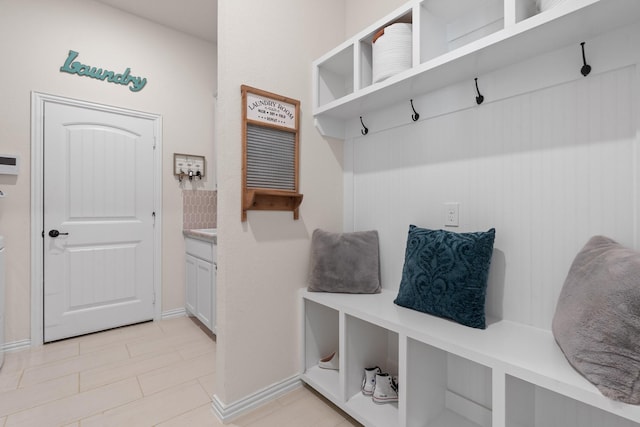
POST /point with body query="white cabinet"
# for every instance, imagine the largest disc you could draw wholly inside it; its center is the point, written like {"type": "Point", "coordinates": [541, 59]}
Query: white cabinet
{"type": "Point", "coordinates": [453, 41]}
{"type": "Point", "coordinates": [191, 280]}
{"type": "Point", "coordinates": [205, 284]}
{"type": "Point", "coordinates": [200, 272]}
{"type": "Point", "coordinates": [449, 375]}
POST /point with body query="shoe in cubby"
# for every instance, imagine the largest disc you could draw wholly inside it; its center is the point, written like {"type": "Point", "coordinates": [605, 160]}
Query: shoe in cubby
{"type": "Point", "coordinates": [386, 389]}
{"type": "Point", "coordinates": [369, 380]}
{"type": "Point", "coordinates": [331, 361]}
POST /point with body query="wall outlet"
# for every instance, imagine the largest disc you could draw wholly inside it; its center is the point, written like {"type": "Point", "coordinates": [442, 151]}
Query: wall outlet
{"type": "Point", "coordinates": [451, 214]}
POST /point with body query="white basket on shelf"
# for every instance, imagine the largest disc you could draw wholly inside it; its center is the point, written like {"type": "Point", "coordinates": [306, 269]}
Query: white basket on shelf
{"type": "Point", "coordinates": [391, 51]}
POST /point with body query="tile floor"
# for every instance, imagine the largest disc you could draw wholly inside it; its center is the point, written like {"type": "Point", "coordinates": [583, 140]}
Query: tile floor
{"type": "Point", "coordinates": [152, 374]}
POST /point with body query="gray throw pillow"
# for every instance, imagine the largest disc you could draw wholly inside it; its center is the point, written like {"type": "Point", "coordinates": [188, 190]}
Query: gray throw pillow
{"type": "Point", "coordinates": [345, 262]}
{"type": "Point", "coordinates": [597, 319]}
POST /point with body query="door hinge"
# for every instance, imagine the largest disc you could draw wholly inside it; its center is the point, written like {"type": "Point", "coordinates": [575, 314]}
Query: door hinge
{"type": "Point", "coordinates": [153, 214]}
{"type": "Point", "coordinates": [154, 299]}
{"type": "Point", "coordinates": [154, 142]}
{"type": "Point", "coordinates": [43, 234]}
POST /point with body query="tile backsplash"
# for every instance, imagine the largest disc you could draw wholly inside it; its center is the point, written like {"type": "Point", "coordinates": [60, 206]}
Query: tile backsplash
{"type": "Point", "coordinates": [199, 209]}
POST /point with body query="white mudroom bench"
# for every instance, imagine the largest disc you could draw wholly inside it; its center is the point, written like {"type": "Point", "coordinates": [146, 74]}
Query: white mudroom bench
{"type": "Point", "coordinates": [449, 375]}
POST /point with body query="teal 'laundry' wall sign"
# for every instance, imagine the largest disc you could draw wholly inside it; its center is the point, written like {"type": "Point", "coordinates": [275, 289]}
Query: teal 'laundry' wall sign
{"type": "Point", "coordinates": [72, 66]}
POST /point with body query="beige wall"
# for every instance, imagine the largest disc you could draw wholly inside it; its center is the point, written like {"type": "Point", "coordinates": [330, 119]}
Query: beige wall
{"type": "Point", "coordinates": [35, 37]}
{"type": "Point", "coordinates": [264, 261]}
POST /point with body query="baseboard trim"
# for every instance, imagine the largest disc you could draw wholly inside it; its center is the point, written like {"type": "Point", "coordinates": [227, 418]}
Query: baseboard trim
{"type": "Point", "coordinates": [16, 345]}
{"type": "Point", "coordinates": [227, 413]}
{"type": "Point", "coordinates": [170, 314]}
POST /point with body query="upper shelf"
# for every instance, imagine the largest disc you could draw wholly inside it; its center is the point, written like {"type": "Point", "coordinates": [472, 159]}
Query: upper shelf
{"type": "Point", "coordinates": [453, 41]}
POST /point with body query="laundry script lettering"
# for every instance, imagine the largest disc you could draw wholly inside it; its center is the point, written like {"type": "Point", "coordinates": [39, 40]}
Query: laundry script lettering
{"type": "Point", "coordinates": [125, 78]}
{"type": "Point", "coordinates": [271, 111]}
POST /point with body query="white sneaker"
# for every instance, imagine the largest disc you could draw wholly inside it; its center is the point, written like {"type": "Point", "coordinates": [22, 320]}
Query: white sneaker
{"type": "Point", "coordinates": [369, 380]}
{"type": "Point", "coordinates": [386, 389]}
{"type": "Point", "coordinates": [331, 361]}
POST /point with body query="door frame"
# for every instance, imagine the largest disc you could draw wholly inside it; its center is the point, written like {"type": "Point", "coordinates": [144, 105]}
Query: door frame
{"type": "Point", "coordinates": [38, 101]}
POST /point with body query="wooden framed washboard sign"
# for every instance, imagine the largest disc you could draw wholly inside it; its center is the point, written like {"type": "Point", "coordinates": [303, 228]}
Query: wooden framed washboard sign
{"type": "Point", "coordinates": [270, 152]}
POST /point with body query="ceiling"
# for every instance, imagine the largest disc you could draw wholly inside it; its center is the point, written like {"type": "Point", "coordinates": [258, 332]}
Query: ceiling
{"type": "Point", "coordinates": [198, 18]}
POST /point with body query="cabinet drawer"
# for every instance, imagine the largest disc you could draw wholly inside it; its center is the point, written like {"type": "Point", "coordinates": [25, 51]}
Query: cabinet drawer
{"type": "Point", "coordinates": [200, 249]}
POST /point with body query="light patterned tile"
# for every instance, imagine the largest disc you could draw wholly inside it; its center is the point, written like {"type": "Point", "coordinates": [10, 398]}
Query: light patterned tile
{"type": "Point", "coordinates": [197, 348]}
{"type": "Point", "coordinates": [347, 419]}
{"type": "Point", "coordinates": [167, 342]}
{"type": "Point", "coordinates": [38, 394]}
{"type": "Point", "coordinates": [81, 405]}
{"type": "Point", "coordinates": [208, 382]}
{"type": "Point", "coordinates": [291, 397]}
{"type": "Point", "coordinates": [331, 422]}
{"type": "Point", "coordinates": [177, 325]}
{"type": "Point", "coordinates": [154, 409]}
{"type": "Point", "coordinates": [175, 360]}
{"type": "Point", "coordinates": [9, 380]}
{"type": "Point", "coordinates": [308, 411]}
{"type": "Point", "coordinates": [202, 416]}
{"type": "Point", "coordinates": [125, 368]}
{"type": "Point", "coordinates": [102, 340]}
{"type": "Point", "coordinates": [257, 414]}
{"type": "Point", "coordinates": [38, 356]}
{"type": "Point", "coordinates": [176, 373]}
{"type": "Point", "coordinates": [349, 422]}
{"type": "Point", "coordinates": [73, 365]}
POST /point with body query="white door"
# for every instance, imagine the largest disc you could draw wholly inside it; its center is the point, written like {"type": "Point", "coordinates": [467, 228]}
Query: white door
{"type": "Point", "coordinates": [99, 197]}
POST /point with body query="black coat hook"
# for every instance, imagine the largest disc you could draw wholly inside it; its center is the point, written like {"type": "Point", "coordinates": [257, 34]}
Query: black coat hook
{"type": "Point", "coordinates": [586, 68]}
{"type": "Point", "coordinates": [415, 116]}
{"type": "Point", "coordinates": [479, 98]}
{"type": "Point", "coordinates": [364, 129]}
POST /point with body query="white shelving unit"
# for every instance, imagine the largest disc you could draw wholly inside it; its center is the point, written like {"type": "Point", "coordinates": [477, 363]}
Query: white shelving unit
{"type": "Point", "coordinates": [453, 41]}
{"type": "Point", "coordinates": [508, 375]}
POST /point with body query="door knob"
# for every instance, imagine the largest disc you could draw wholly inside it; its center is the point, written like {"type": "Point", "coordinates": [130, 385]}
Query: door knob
{"type": "Point", "coordinates": [56, 233]}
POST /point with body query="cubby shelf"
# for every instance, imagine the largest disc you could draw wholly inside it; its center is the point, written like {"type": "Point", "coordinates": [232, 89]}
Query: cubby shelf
{"type": "Point", "coordinates": [519, 371]}
{"type": "Point", "coordinates": [342, 78]}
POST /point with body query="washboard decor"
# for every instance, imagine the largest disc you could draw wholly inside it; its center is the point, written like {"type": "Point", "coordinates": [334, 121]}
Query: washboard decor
{"type": "Point", "coordinates": [270, 152]}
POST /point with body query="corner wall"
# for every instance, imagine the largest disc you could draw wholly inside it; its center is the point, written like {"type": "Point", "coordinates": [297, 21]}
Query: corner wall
{"type": "Point", "coordinates": [35, 37]}
{"type": "Point", "coordinates": [264, 261]}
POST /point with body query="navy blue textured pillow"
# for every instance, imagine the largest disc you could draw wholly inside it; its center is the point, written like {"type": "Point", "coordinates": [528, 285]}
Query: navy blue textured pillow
{"type": "Point", "coordinates": [445, 274]}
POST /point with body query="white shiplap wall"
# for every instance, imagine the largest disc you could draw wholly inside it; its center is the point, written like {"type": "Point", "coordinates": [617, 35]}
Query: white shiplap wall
{"type": "Point", "coordinates": [548, 168]}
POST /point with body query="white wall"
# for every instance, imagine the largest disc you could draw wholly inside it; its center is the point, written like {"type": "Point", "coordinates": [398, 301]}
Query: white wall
{"type": "Point", "coordinates": [550, 159]}
{"type": "Point", "coordinates": [359, 14]}
{"type": "Point", "coordinates": [35, 37]}
{"type": "Point", "coordinates": [264, 261]}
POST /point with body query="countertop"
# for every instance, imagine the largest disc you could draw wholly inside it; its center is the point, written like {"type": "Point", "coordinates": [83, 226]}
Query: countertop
{"type": "Point", "coordinates": [206, 234]}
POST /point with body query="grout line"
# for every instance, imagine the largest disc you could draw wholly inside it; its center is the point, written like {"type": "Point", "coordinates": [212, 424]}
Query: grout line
{"type": "Point", "coordinates": [45, 402]}
{"type": "Point", "coordinates": [168, 350]}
